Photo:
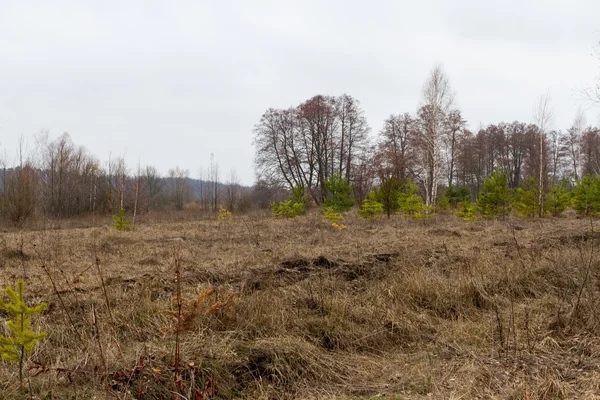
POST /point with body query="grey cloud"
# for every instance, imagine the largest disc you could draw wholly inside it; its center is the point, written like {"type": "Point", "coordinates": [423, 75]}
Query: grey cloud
{"type": "Point", "coordinates": [170, 82]}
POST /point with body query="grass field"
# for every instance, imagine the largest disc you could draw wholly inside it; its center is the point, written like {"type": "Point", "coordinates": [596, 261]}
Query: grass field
{"type": "Point", "coordinates": [286, 309]}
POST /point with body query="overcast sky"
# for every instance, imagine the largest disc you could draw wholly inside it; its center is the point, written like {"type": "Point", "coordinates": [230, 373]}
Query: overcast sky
{"type": "Point", "coordinates": [169, 82]}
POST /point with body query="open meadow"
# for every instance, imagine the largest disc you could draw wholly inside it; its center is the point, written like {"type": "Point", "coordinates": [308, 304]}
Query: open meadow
{"type": "Point", "coordinates": [263, 308]}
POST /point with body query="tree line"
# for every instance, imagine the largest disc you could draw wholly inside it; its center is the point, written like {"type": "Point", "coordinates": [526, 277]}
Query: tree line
{"type": "Point", "coordinates": [59, 179]}
{"type": "Point", "coordinates": [434, 148]}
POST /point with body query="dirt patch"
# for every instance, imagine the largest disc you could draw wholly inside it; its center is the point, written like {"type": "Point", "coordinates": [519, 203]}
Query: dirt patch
{"type": "Point", "coordinates": [323, 262]}
{"type": "Point", "coordinates": [300, 264]}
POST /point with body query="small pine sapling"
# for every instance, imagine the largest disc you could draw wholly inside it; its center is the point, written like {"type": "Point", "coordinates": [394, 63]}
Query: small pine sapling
{"type": "Point", "coordinates": [466, 211]}
{"type": "Point", "coordinates": [371, 208]}
{"type": "Point", "coordinates": [224, 214]}
{"type": "Point", "coordinates": [443, 203]}
{"type": "Point", "coordinates": [120, 222]}
{"type": "Point", "coordinates": [495, 197]}
{"type": "Point", "coordinates": [526, 200]}
{"type": "Point", "coordinates": [557, 199]}
{"type": "Point", "coordinates": [411, 203]}
{"type": "Point", "coordinates": [586, 197]}
{"type": "Point", "coordinates": [387, 194]}
{"type": "Point", "coordinates": [335, 219]}
{"type": "Point", "coordinates": [456, 195]}
{"type": "Point", "coordinates": [339, 193]}
{"type": "Point", "coordinates": [23, 340]}
{"type": "Point", "coordinates": [292, 207]}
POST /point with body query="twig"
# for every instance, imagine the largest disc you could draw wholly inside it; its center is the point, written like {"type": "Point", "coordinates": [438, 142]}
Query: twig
{"type": "Point", "coordinates": [62, 303]}
{"type": "Point", "coordinates": [97, 338]}
{"type": "Point", "coordinates": [587, 273]}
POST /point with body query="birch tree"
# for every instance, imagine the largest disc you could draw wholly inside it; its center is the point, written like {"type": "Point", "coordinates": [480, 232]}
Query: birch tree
{"type": "Point", "coordinates": [438, 100]}
{"type": "Point", "coordinates": [543, 117]}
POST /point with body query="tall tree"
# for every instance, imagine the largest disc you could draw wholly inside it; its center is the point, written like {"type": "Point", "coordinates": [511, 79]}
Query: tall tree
{"type": "Point", "coordinates": [571, 144]}
{"type": "Point", "coordinates": [305, 145]}
{"type": "Point", "coordinates": [592, 92]}
{"type": "Point", "coordinates": [396, 145]}
{"type": "Point", "coordinates": [438, 100]}
{"type": "Point", "coordinates": [353, 134]}
{"type": "Point", "coordinates": [590, 149]}
{"type": "Point", "coordinates": [543, 116]}
{"type": "Point", "coordinates": [179, 188]}
{"type": "Point", "coordinates": [454, 129]}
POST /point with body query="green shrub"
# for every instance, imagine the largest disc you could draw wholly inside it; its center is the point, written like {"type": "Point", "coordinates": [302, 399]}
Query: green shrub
{"type": "Point", "coordinates": [443, 203]}
{"type": "Point", "coordinates": [426, 211]}
{"type": "Point", "coordinates": [557, 199]}
{"type": "Point", "coordinates": [120, 222]}
{"type": "Point", "coordinates": [339, 194]}
{"type": "Point", "coordinates": [371, 208]}
{"type": "Point", "coordinates": [224, 214]}
{"type": "Point", "coordinates": [23, 340]}
{"type": "Point", "coordinates": [526, 202]}
{"type": "Point", "coordinates": [586, 197]}
{"type": "Point", "coordinates": [411, 203]}
{"type": "Point", "coordinates": [388, 193]}
{"type": "Point", "coordinates": [293, 206]}
{"type": "Point", "coordinates": [495, 197]}
{"type": "Point", "coordinates": [456, 195]}
{"type": "Point", "coordinates": [466, 211]}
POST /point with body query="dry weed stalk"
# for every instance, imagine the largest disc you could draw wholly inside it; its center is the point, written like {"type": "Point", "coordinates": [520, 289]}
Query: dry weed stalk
{"type": "Point", "coordinates": [98, 341]}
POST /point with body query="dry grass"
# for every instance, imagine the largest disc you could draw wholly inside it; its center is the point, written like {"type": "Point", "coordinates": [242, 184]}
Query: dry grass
{"type": "Point", "coordinates": [282, 309]}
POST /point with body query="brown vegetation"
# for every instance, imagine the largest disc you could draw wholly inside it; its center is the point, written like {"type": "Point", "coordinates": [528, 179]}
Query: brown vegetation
{"type": "Point", "coordinates": [279, 309]}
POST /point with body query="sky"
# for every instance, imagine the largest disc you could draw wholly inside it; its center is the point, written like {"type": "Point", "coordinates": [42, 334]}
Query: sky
{"type": "Point", "coordinates": [167, 83]}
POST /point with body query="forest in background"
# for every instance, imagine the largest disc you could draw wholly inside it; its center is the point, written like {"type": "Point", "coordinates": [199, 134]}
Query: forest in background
{"type": "Point", "coordinates": [304, 147]}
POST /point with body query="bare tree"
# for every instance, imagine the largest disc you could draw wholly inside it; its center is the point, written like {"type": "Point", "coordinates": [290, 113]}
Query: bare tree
{"type": "Point", "coordinates": [592, 92]}
{"type": "Point", "coordinates": [214, 182]}
{"type": "Point", "coordinates": [69, 176]}
{"type": "Point", "coordinates": [152, 186]}
{"type": "Point", "coordinates": [571, 143]}
{"type": "Point", "coordinates": [352, 138]}
{"type": "Point", "coordinates": [138, 178]}
{"type": "Point", "coordinates": [231, 191]}
{"type": "Point", "coordinates": [455, 126]}
{"type": "Point", "coordinates": [20, 191]}
{"type": "Point", "coordinates": [590, 151]}
{"type": "Point", "coordinates": [305, 145]}
{"type": "Point", "coordinates": [438, 100]}
{"type": "Point", "coordinates": [543, 117]}
{"type": "Point", "coordinates": [179, 188]}
{"type": "Point", "coordinates": [396, 149]}
{"type": "Point", "coordinates": [556, 154]}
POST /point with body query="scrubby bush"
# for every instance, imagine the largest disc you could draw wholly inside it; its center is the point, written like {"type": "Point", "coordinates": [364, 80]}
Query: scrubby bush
{"type": "Point", "coordinates": [224, 214]}
{"type": "Point", "coordinates": [293, 206]}
{"type": "Point", "coordinates": [388, 194]}
{"type": "Point", "coordinates": [339, 194]}
{"type": "Point", "coordinates": [526, 201]}
{"type": "Point", "coordinates": [443, 203]}
{"type": "Point", "coordinates": [557, 199]}
{"type": "Point", "coordinates": [586, 197]}
{"type": "Point", "coordinates": [330, 215]}
{"type": "Point", "coordinates": [456, 195]}
{"type": "Point", "coordinates": [495, 197]}
{"type": "Point", "coordinates": [22, 340]}
{"type": "Point", "coordinates": [411, 203]}
{"type": "Point", "coordinates": [466, 211]}
{"type": "Point", "coordinates": [371, 208]}
{"type": "Point", "coordinates": [120, 222]}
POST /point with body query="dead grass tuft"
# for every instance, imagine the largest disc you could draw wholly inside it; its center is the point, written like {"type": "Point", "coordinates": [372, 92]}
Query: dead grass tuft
{"type": "Point", "coordinates": [280, 309]}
